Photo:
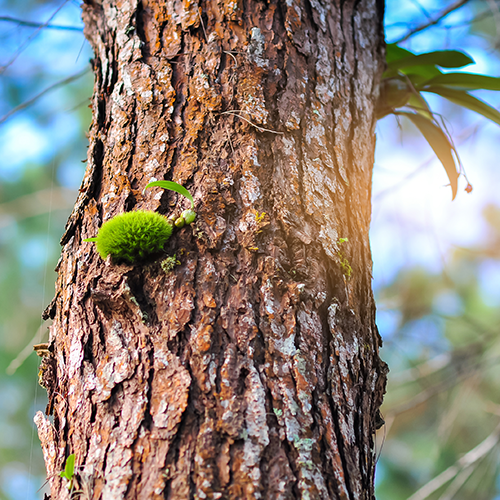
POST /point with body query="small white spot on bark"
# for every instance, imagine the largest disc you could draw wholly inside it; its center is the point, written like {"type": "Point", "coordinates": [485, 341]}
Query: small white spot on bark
{"type": "Point", "coordinates": [256, 48]}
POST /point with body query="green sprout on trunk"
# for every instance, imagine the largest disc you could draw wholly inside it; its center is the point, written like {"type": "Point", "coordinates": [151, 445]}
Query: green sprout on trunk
{"type": "Point", "coordinates": [69, 470]}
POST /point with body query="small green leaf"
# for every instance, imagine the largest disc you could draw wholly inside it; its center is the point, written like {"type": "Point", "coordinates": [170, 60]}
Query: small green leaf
{"type": "Point", "coordinates": [90, 239]}
{"type": "Point", "coordinates": [440, 144]}
{"type": "Point", "coordinates": [465, 81]}
{"type": "Point", "coordinates": [173, 186]}
{"type": "Point", "coordinates": [443, 58]}
{"type": "Point", "coordinates": [69, 468]}
{"type": "Point", "coordinates": [467, 101]}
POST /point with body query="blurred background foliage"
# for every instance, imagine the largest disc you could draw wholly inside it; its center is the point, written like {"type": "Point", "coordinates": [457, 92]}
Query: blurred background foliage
{"type": "Point", "coordinates": [41, 151]}
{"type": "Point", "coordinates": [437, 276]}
{"type": "Point", "coordinates": [436, 263]}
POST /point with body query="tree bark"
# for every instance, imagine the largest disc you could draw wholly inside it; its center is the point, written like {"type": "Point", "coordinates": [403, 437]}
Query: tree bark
{"type": "Point", "coordinates": [250, 370]}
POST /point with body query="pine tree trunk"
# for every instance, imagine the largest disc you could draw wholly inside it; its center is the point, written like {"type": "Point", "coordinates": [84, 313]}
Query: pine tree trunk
{"type": "Point", "coordinates": [251, 369]}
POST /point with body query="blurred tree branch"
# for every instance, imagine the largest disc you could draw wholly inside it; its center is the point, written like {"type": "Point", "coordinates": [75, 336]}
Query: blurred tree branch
{"type": "Point", "coordinates": [23, 355]}
{"type": "Point", "coordinates": [50, 88]}
{"type": "Point", "coordinates": [434, 21]}
{"type": "Point", "coordinates": [470, 458]}
{"type": "Point", "coordinates": [28, 40]}
{"type": "Point", "coordinates": [33, 24]}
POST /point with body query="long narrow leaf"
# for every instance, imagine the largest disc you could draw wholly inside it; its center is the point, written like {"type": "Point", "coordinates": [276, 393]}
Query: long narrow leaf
{"type": "Point", "coordinates": [173, 186]}
{"type": "Point", "coordinates": [426, 71]}
{"type": "Point", "coordinates": [467, 101]}
{"type": "Point", "coordinates": [440, 144]}
{"type": "Point", "coordinates": [465, 81]}
{"type": "Point", "coordinates": [418, 80]}
{"type": "Point", "coordinates": [420, 73]}
{"type": "Point", "coordinates": [419, 104]}
{"type": "Point", "coordinates": [443, 58]}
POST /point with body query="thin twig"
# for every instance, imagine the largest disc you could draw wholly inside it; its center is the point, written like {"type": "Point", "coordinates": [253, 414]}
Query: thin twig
{"type": "Point", "coordinates": [457, 483]}
{"type": "Point", "coordinates": [23, 355]}
{"type": "Point", "coordinates": [384, 436]}
{"type": "Point", "coordinates": [262, 129]}
{"type": "Point", "coordinates": [202, 25]}
{"type": "Point", "coordinates": [233, 56]}
{"type": "Point", "coordinates": [28, 40]}
{"type": "Point", "coordinates": [479, 17]}
{"type": "Point", "coordinates": [33, 24]}
{"type": "Point", "coordinates": [434, 21]}
{"type": "Point", "coordinates": [421, 9]}
{"type": "Point", "coordinates": [50, 88]}
{"type": "Point", "coordinates": [481, 450]}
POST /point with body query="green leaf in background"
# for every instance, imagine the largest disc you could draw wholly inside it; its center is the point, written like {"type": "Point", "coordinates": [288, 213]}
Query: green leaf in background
{"type": "Point", "coordinates": [172, 186]}
{"type": "Point", "coordinates": [393, 52]}
{"type": "Point", "coordinates": [443, 58]}
{"type": "Point", "coordinates": [467, 101]}
{"type": "Point", "coordinates": [409, 74]}
{"type": "Point", "coordinates": [465, 81]}
{"type": "Point", "coordinates": [418, 72]}
{"type": "Point", "coordinates": [421, 74]}
{"type": "Point", "coordinates": [420, 78]}
{"type": "Point", "coordinates": [440, 144]}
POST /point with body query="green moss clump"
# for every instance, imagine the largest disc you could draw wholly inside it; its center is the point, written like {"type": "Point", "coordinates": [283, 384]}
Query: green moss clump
{"type": "Point", "coordinates": [133, 235]}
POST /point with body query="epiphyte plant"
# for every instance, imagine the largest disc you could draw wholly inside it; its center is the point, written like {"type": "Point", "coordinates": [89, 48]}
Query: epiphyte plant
{"type": "Point", "coordinates": [408, 75]}
{"type": "Point", "coordinates": [132, 236]}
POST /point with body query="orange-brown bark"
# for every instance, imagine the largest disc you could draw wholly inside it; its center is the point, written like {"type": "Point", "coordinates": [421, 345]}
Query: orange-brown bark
{"type": "Point", "coordinates": [251, 369]}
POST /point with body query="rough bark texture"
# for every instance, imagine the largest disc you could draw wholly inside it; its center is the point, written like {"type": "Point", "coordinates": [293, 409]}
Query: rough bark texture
{"type": "Point", "coordinates": [251, 369]}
